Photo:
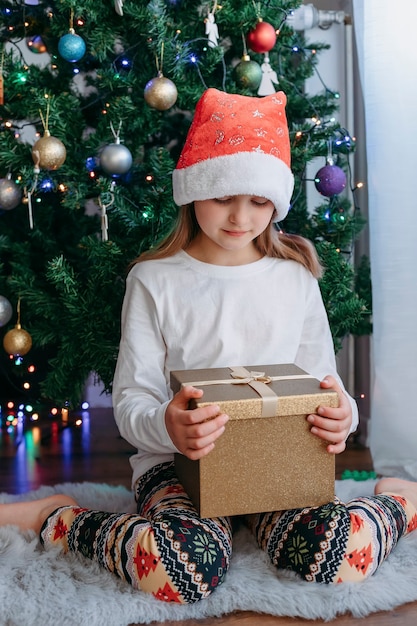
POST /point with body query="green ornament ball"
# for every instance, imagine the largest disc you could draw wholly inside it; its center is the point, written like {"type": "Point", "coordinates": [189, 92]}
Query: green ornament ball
{"type": "Point", "coordinates": [248, 73]}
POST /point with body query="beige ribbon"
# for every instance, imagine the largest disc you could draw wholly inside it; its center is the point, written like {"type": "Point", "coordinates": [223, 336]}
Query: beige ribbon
{"type": "Point", "coordinates": [259, 383]}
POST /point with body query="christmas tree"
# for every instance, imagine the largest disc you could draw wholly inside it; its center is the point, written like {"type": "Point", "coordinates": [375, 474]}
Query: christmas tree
{"type": "Point", "coordinates": [90, 134]}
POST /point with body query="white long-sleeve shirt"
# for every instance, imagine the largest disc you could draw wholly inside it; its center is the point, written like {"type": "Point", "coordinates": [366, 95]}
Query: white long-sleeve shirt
{"type": "Point", "coordinates": [180, 313]}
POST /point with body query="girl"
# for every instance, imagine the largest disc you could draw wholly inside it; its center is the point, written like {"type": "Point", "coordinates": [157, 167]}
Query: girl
{"type": "Point", "coordinates": [224, 288]}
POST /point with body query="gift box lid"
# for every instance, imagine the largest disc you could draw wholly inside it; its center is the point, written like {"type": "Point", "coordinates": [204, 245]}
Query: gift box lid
{"type": "Point", "coordinates": [244, 392]}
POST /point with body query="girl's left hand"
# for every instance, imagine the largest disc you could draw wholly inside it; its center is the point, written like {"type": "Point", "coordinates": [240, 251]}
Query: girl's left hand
{"type": "Point", "coordinates": [332, 424]}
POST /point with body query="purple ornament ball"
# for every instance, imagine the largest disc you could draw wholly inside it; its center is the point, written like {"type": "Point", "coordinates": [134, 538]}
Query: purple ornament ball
{"type": "Point", "coordinates": [330, 180]}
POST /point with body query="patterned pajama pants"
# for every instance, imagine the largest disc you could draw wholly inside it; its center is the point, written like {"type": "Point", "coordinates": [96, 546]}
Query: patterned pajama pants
{"type": "Point", "coordinates": [167, 550]}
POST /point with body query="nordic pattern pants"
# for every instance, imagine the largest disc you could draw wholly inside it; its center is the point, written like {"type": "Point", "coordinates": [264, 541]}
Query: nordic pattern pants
{"type": "Point", "coordinates": [167, 550]}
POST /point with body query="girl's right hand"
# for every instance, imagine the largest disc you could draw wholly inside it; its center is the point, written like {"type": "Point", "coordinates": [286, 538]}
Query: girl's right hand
{"type": "Point", "coordinates": [193, 431]}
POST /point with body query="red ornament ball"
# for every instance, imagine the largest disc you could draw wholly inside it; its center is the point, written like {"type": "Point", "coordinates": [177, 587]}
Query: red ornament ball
{"type": "Point", "coordinates": [330, 180]}
{"type": "Point", "coordinates": [262, 38]}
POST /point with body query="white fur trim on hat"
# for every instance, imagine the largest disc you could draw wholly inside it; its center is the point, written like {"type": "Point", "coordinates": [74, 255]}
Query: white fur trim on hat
{"type": "Point", "coordinates": [243, 173]}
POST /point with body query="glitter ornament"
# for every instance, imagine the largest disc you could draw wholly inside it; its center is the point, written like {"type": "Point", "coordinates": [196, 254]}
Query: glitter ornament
{"type": "Point", "coordinates": [71, 47]}
{"type": "Point", "coordinates": [116, 159]}
{"type": "Point", "coordinates": [6, 311]}
{"type": "Point", "coordinates": [262, 38]}
{"type": "Point", "coordinates": [160, 93]}
{"type": "Point", "coordinates": [48, 152]}
{"type": "Point", "coordinates": [10, 194]}
{"type": "Point", "coordinates": [17, 341]}
{"type": "Point", "coordinates": [248, 73]}
{"type": "Point", "coordinates": [330, 180]}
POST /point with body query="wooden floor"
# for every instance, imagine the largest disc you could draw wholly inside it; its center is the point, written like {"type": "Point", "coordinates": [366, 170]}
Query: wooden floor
{"type": "Point", "coordinates": [51, 452]}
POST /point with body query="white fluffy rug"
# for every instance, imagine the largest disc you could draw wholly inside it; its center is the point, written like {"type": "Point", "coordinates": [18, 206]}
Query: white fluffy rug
{"type": "Point", "coordinates": [39, 587]}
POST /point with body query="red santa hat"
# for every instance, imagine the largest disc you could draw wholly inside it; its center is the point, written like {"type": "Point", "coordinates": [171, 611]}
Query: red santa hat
{"type": "Point", "coordinates": [236, 145]}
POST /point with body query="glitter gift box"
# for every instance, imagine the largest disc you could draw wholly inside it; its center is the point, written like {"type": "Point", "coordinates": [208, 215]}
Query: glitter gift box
{"type": "Point", "coordinates": [267, 459]}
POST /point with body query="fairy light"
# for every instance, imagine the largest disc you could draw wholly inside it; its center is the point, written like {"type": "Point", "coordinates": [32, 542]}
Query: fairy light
{"type": "Point", "coordinates": [149, 178]}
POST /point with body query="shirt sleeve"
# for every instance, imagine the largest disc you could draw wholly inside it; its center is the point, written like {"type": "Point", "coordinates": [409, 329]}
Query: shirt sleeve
{"type": "Point", "coordinates": [140, 390]}
{"type": "Point", "coordinates": [316, 352]}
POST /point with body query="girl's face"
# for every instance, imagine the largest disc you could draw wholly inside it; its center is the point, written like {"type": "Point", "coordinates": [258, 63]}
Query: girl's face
{"type": "Point", "coordinates": [228, 227]}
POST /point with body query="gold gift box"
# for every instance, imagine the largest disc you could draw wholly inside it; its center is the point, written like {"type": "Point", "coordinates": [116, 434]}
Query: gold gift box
{"type": "Point", "coordinates": [267, 459]}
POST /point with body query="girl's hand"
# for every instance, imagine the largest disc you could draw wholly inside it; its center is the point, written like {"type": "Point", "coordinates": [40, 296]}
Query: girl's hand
{"type": "Point", "coordinates": [193, 431]}
{"type": "Point", "coordinates": [332, 424]}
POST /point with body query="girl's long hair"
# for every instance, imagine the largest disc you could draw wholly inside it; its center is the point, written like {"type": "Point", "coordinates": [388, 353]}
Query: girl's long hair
{"type": "Point", "coordinates": [271, 242]}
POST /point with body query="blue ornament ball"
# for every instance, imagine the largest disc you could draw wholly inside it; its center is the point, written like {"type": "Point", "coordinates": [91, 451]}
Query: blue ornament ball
{"type": "Point", "coordinates": [71, 47]}
{"type": "Point", "coordinates": [330, 180]}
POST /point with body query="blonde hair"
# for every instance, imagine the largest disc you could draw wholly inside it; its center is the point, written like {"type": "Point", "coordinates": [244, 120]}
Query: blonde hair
{"type": "Point", "coordinates": [270, 242]}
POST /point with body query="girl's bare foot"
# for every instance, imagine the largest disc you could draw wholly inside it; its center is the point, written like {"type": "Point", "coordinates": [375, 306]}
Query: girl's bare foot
{"type": "Point", "coordinates": [399, 487]}
{"type": "Point", "coordinates": [31, 515]}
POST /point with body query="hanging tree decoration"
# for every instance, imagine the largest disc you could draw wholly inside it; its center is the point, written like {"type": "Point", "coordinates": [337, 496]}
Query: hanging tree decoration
{"type": "Point", "coordinates": [27, 199]}
{"type": "Point", "coordinates": [103, 211]}
{"type": "Point", "coordinates": [48, 152]}
{"type": "Point", "coordinates": [248, 73]}
{"type": "Point", "coordinates": [17, 342]}
{"type": "Point", "coordinates": [6, 311]}
{"type": "Point", "coordinates": [160, 92]}
{"type": "Point", "coordinates": [269, 78]}
{"type": "Point", "coordinates": [263, 37]}
{"type": "Point", "coordinates": [71, 46]}
{"type": "Point", "coordinates": [1, 78]}
{"type": "Point", "coordinates": [212, 30]}
{"type": "Point", "coordinates": [10, 193]}
{"type": "Point", "coordinates": [118, 7]}
{"type": "Point", "coordinates": [330, 180]}
{"type": "Point", "coordinates": [115, 158]}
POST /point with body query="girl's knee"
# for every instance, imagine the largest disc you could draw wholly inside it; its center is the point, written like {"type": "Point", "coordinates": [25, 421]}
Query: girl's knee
{"type": "Point", "coordinates": [187, 559]}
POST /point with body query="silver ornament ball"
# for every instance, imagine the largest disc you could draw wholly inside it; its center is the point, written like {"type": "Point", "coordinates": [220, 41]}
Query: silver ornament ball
{"type": "Point", "coordinates": [116, 159]}
{"type": "Point", "coordinates": [6, 311]}
{"type": "Point", "coordinates": [10, 194]}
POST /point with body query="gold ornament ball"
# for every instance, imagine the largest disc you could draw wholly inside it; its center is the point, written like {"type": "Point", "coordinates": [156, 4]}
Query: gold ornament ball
{"type": "Point", "coordinates": [17, 341]}
{"type": "Point", "coordinates": [160, 93]}
{"type": "Point", "coordinates": [49, 152]}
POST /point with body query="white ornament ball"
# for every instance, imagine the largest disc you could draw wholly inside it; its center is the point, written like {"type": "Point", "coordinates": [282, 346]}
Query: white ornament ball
{"type": "Point", "coordinates": [116, 159]}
